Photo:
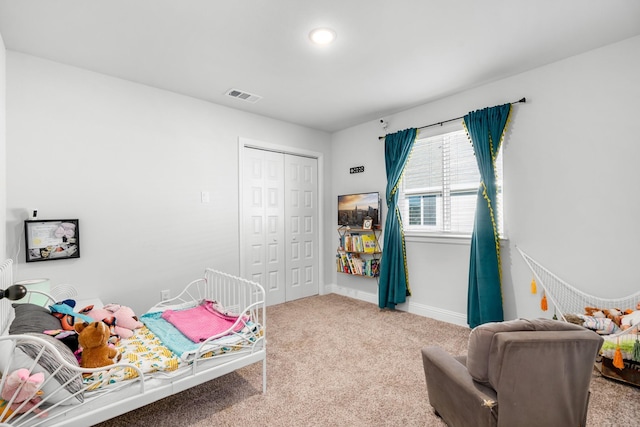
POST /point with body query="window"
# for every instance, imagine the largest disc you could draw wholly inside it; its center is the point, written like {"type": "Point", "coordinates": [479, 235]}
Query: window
{"type": "Point", "coordinates": [440, 183]}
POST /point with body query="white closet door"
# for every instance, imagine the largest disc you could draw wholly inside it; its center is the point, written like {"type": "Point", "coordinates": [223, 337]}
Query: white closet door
{"type": "Point", "coordinates": [264, 237]}
{"type": "Point", "coordinates": [301, 226]}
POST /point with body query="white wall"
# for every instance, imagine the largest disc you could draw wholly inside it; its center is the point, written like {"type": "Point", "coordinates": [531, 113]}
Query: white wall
{"type": "Point", "coordinates": [3, 146]}
{"type": "Point", "coordinates": [571, 173]}
{"type": "Point", "coordinates": [130, 162]}
{"type": "Point", "coordinates": [356, 146]}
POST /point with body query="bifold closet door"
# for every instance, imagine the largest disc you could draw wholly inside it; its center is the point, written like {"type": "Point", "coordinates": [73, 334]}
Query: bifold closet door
{"type": "Point", "coordinates": [280, 228]}
{"type": "Point", "coordinates": [301, 226]}
{"type": "Point", "coordinates": [263, 211]}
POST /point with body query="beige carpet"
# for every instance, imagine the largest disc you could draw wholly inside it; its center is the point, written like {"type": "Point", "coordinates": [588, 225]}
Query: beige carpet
{"type": "Point", "coordinates": [336, 361]}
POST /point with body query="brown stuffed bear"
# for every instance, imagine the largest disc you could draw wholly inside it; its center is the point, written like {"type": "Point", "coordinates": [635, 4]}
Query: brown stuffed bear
{"type": "Point", "coordinates": [93, 338]}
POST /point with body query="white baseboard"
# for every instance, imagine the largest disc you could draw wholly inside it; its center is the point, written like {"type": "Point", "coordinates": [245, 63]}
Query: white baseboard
{"type": "Point", "coordinates": [352, 293]}
{"type": "Point", "coordinates": [438, 314]}
{"type": "Point", "coordinates": [411, 307]}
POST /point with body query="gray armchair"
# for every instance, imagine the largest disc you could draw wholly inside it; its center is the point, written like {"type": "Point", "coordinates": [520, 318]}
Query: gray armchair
{"type": "Point", "coordinates": [516, 373]}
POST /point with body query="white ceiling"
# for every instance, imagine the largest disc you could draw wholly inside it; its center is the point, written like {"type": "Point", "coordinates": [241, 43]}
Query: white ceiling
{"type": "Point", "coordinates": [388, 56]}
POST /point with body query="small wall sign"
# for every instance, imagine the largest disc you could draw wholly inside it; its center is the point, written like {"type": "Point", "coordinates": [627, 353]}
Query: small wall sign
{"type": "Point", "coordinates": [356, 169]}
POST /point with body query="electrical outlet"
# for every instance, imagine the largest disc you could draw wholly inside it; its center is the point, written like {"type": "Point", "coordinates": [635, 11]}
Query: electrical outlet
{"type": "Point", "coordinates": [165, 295]}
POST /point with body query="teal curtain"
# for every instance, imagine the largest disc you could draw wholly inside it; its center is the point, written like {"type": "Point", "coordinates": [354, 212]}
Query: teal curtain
{"type": "Point", "coordinates": [486, 129]}
{"type": "Point", "coordinates": [393, 285]}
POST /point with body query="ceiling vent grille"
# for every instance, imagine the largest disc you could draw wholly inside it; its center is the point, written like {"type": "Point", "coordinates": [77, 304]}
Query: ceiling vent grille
{"type": "Point", "coordinates": [244, 96]}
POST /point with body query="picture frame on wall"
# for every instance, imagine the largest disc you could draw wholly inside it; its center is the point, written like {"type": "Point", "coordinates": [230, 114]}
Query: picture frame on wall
{"type": "Point", "coordinates": [52, 239]}
{"type": "Point", "coordinates": [353, 208]}
{"type": "Point", "coordinates": [367, 224]}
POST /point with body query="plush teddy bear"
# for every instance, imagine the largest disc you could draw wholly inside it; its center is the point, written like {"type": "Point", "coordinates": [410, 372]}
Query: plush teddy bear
{"type": "Point", "coordinates": [94, 340]}
{"type": "Point", "coordinates": [21, 387]}
{"type": "Point", "coordinates": [121, 319]}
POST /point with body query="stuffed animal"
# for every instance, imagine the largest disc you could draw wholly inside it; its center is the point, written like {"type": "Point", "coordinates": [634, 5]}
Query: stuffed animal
{"type": "Point", "coordinates": [94, 340]}
{"type": "Point", "coordinates": [63, 310]}
{"type": "Point", "coordinates": [121, 319]}
{"type": "Point", "coordinates": [125, 319]}
{"type": "Point", "coordinates": [575, 319]}
{"type": "Point", "coordinates": [24, 390]}
{"type": "Point", "coordinates": [614, 314]}
{"type": "Point", "coordinates": [630, 319]}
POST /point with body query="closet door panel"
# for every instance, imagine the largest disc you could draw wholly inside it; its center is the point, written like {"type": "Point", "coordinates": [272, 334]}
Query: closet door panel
{"type": "Point", "coordinates": [301, 210]}
{"type": "Point", "coordinates": [263, 205]}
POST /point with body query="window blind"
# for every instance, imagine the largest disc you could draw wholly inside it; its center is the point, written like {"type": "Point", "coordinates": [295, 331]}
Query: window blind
{"type": "Point", "coordinates": [440, 184]}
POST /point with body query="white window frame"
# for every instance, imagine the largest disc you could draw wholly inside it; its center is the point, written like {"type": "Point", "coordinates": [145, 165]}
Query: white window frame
{"type": "Point", "coordinates": [438, 233]}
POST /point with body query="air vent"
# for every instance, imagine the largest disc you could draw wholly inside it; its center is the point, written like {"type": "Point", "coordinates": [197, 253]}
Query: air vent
{"type": "Point", "coordinates": [245, 96]}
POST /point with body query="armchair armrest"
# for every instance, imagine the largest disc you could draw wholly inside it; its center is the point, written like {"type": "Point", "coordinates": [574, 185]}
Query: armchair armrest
{"type": "Point", "coordinates": [450, 387]}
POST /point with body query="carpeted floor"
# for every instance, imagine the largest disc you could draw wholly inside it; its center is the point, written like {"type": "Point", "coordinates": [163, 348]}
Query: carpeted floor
{"type": "Point", "coordinates": [343, 362]}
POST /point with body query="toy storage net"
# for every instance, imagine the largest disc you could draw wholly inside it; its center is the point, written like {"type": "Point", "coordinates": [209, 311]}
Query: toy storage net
{"type": "Point", "coordinates": [569, 300]}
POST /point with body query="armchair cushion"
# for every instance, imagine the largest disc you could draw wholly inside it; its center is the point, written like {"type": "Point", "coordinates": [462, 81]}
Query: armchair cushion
{"type": "Point", "coordinates": [482, 339]}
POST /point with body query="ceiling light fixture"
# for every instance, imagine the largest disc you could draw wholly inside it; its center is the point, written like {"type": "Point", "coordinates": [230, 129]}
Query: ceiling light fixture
{"type": "Point", "coordinates": [322, 36]}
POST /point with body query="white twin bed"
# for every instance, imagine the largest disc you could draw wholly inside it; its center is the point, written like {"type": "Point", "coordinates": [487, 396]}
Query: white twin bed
{"type": "Point", "coordinates": [157, 361]}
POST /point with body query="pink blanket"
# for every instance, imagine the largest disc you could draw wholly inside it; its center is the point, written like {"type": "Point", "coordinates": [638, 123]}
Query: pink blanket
{"type": "Point", "coordinates": [201, 322]}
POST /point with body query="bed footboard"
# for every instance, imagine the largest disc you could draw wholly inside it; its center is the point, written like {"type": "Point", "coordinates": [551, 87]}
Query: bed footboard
{"type": "Point", "coordinates": [243, 297]}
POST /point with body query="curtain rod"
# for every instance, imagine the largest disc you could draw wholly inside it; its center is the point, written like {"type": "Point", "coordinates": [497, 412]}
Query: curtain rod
{"type": "Point", "coordinates": [523, 100]}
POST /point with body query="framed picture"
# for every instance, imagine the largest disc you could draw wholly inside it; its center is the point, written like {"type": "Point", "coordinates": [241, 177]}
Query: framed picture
{"type": "Point", "coordinates": [354, 208]}
{"type": "Point", "coordinates": [367, 223]}
{"type": "Point", "coordinates": [51, 239]}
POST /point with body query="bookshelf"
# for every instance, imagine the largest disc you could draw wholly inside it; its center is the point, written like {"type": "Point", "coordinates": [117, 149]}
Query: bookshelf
{"type": "Point", "coordinates": [359, 252]}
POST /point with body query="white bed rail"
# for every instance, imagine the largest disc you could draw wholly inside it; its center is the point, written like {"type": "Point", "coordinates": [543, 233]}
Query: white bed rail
{"type": "Point", "coordinates": [6, 274]}
{"type": "Point", "coordinates": [52, 406]}
{"type": "Point", "coordinates": [234, 292]}
{"type": "Point", "coordinates": [6, 280]}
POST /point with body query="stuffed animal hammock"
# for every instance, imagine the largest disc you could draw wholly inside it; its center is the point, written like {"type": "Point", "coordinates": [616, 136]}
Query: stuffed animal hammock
{"type": "Point", "coordinates": [568, 300]}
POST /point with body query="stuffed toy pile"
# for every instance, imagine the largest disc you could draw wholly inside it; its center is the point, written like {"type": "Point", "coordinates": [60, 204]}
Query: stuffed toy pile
{"type": "Point", "coordinates": [630, 318]}
{"type": "Point", "coordinates": [28, 392]}
{"type": "Point", "coordinates": [623, 319]}
{"type": "Point", "coordinates": [122, 321]}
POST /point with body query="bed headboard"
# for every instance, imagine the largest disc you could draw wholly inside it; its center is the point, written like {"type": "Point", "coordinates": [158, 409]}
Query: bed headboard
{"type": "Point", "coordinates": [6, 280]}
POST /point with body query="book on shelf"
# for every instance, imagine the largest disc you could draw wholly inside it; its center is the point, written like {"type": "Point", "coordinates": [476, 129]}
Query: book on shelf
{"type": "Point", "coordinates": [374, 268]}
{"type": "Point", "coordinates": [355, 263]}
{"type": "Point", "coordinates": [351, 263]}
{"type": "Point", "coordinates": [368, 243]}
{"type": "Point", "coordinates": [343, 263]}
{"type": "Point", "coordinates": [353, 243]}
